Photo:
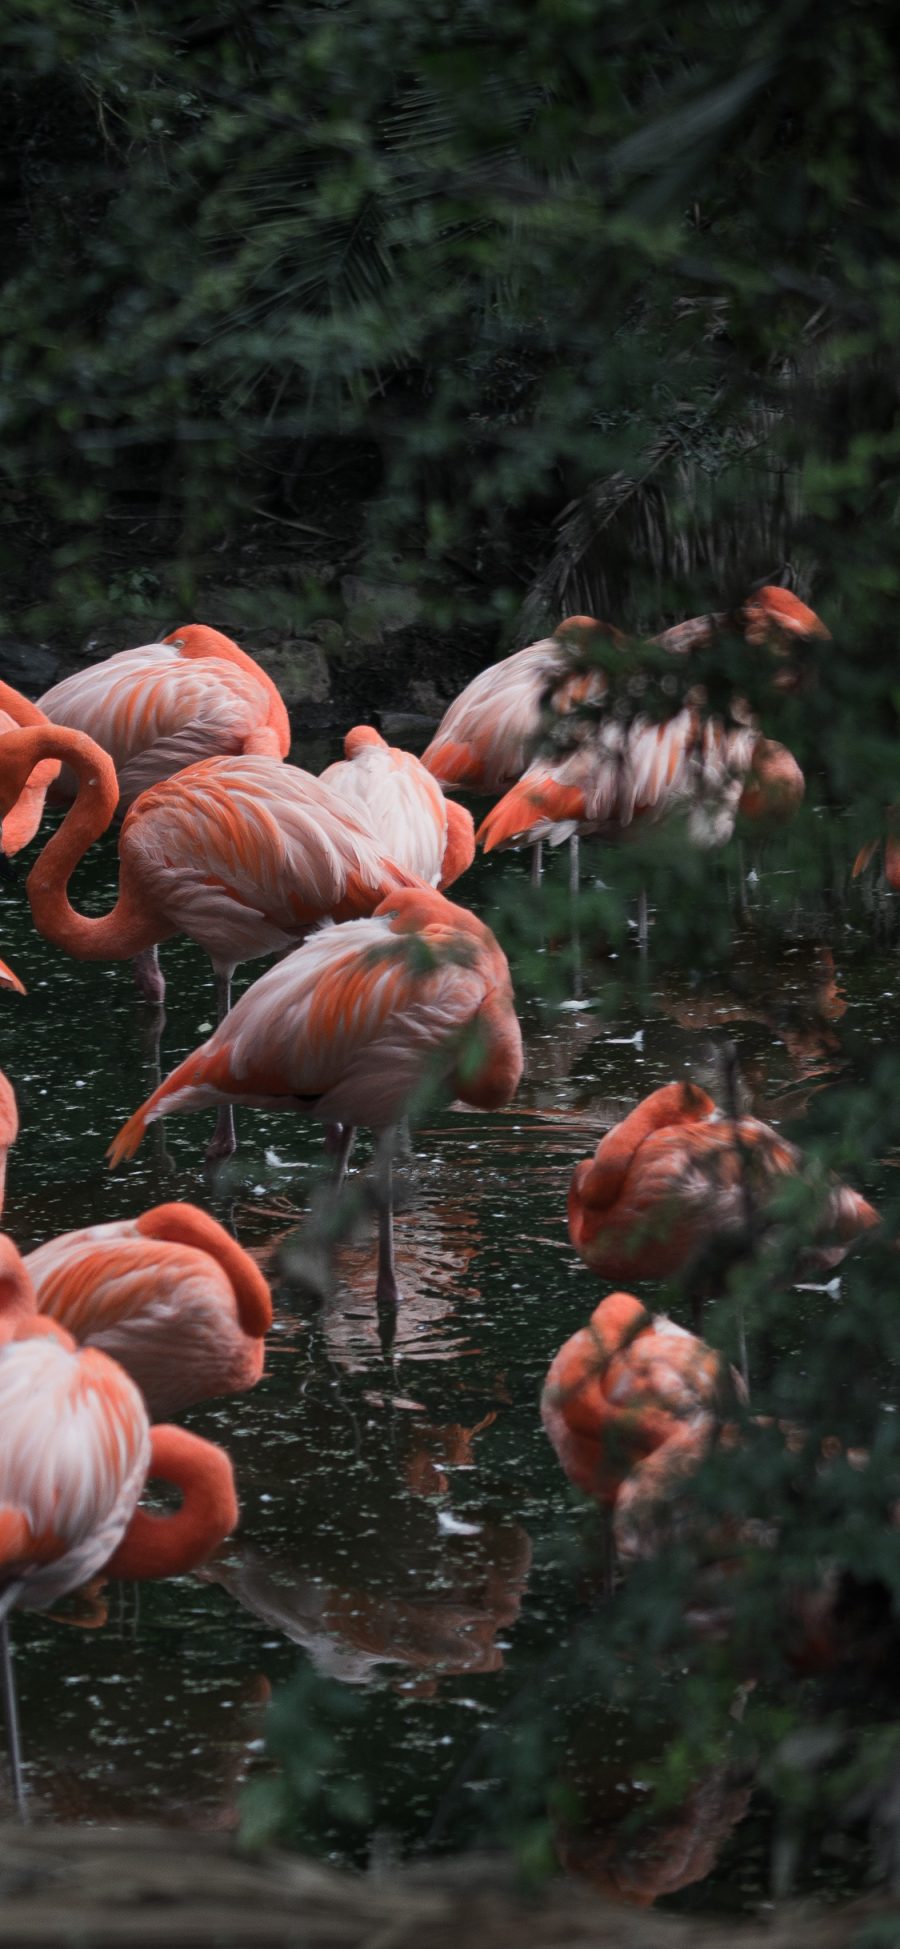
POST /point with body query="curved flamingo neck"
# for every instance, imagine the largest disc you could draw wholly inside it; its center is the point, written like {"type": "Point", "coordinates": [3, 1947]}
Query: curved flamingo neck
{"type": "Point", "coordinates": [171, 1544]}
{"type": "Point", "coordinates": [198, 640]}
{"type": "Point", "coordinates": [22, 711]}
{"type": "Point", "coordinates": [675, 1104]}
{"type": "Point", "coordinates": [17, 1298]}
{"type": "Point", "coordinates": [187, 1225]}
{"type": "Point", "coordinates": [118, 935]}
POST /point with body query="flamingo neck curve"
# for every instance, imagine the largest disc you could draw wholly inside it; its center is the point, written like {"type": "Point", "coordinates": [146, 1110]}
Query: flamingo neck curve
{"type": "Point", "coordinates": [674, 1104]}
{"type": "Point", "coordinates": [128, 929]}
{"type": "Point", "coordinates": [168, 1545]}
{"type": "Point", "coordinates": [182, 1224]}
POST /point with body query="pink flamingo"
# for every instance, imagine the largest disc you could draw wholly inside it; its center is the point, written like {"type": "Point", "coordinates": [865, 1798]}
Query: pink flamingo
{"type": "Point", "coordinates": [351, 1026]}
{"type": "Point", "coordinates": [485, 737]}
{"type": "Point", "coordinates": [417, 826]}
{"type": "Point", "coordinates": [244, 855]}
{"type": "Point", "coordinates": [76, 1449]}
{"type": "Point", "coordinates": [629, 775]}
{"type": "Point", "coordinates": [771, 617]}
{"type": "Point", "coordinates": [170, 1295]}
{"type": "Point", "coordinates": [631, 1405]}
{"type": "Point", "coordinates": [166, 705]}
{"type": "Point", "coordinates": [676, 1175]}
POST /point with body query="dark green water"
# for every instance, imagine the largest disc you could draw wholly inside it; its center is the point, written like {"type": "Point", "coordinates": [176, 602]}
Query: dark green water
{"type": "Point", "coordinates": [405, 1525]}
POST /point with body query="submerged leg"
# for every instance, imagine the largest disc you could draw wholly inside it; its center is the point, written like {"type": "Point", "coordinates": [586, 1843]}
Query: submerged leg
{"type": "Point", "coordinates": [223, 1142]}
{"type": "Point", "coordinates": [387, 1291]}
{"type": "Point", "coordinates": [643, 923]}
{"type": "Point", "coordinates": [574, 862]}
{"type": "Point", "coordinates": [223, 994]}
{"type": "Point", "coordinates": [341, 1144]}
{"type": "Point", "coordinates": [149, 975]}
{"type": "Point", "coordinates": [537, 863]}
{"type": "Point", "coordinates": [10, 1702]}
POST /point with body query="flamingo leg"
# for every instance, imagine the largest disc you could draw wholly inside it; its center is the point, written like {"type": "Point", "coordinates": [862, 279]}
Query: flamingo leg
{"type": "Point", "coordinates": [11, 1703]}
{"type": "Point", "coordinates": [537, 863]}
{"type": "Point", "coordinates": [149, 976]}
{"type": "Point", "coordinates": [223, 1142]}
{"type": "Point", "coordinates": [574, 863]}
{"type": "Point", "coordinates": [643, 920]}
{"type": "Point", "coordinates": [387, 1291]}
{"type": "Point", "coordinates": [342, 1146]}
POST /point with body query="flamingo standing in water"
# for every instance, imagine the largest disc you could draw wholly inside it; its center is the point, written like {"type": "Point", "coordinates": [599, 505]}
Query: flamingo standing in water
{"type": "Point", "coordinates": [353, 1024]}
{"type": "Point", "coordinates": [167, 705]}
{"type": "Point", "coordinates": [638, 774]}
{"type": "Point", "coordinates": [631, 1404]}
{"type": "Point", "coordinates": [675, 1177]}
{"type": "Point", "coordinates": [487, 736]}
{"type": "Point", "coordinates": [418, 827]}
{"type": "Point", "coordinates": [170, 1295]}
{"type": "Point", "coordinates": [244, 855]}
{"type": "Point", "coordinates": [76, 1449]}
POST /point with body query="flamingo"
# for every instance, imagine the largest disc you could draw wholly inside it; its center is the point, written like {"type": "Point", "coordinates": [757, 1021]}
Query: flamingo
{"type": "Point", "coordinates": [487, 735]}
{"type": "Point", "coordinates": [631, 1404]}
{"type": "Point", "coordinates": [170, 1295]}
{"type": "Point", "coordinates": [166, 705]}
{"type": "Point", "coordinates": [891, 856]}
{"type": "Point", "coordinates": [244, 855]}
{"type": "Point", "coordinates": [485, 738]}
{"type": "Point", "coordinates": [676, 1176]}
{"type": "Point", "coordinates": [22, 820]}
{"type": "Point", "coordinates": [418, 827]}
{"type": "Point", "coordinates": [638, 774]}
{"type": "Point", "coordinates": [770, 617]}
{"type": "Point", "coordinates": [76, 1449]}
{"type": "Point", "coordinates": [350, 1026]}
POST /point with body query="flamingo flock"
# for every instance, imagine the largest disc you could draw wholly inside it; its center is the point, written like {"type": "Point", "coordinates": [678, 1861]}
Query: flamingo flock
{"type": "Point", "coordinates": [383, 994]}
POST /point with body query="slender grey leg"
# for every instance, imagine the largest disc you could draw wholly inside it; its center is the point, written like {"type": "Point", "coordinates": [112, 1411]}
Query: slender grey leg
{"type": "Point", "coordinates": [387, 1291]}
{"type": "Point", "coordinates": [642, 920]}
{"type": "Point", "coordinates": [10, 1702]}
{"type": "Point", "coordinates": [537, 863]}
{"type": "Point", "coordinates": [223, 1142]}
{"type": "Point", "coordinates": [343, 1152]}
{"type": "Point", "coordinates": [149, 976]}
{"type": "Point", "coordinates": [574, 862]}
{"type": "Point", "coordinates": [223, 994]}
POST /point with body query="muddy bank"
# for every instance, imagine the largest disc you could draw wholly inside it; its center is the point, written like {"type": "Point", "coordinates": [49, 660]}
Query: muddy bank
{"type": "Point", "coordinates": [147, 1885]}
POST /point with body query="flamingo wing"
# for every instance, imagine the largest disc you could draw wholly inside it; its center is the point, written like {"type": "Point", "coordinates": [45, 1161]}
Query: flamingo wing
{"type": "Point", "coordinates": [244, 854]}
{"type": "Point", "coordinates": [74, 1456]}
{"type": "Point", "coordinates": [155, 712]}
{"type": "Point", "coordinates": [346, 1027]}
{"type": "Point", "coordinates": [404, 804]}
{"type": "Point", "coordinates": [483, 741]}
{"type": "Point", "coordinates": [166, 1311]}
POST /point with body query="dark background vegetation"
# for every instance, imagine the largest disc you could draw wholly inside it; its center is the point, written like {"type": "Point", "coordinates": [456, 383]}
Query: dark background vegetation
{"type": "Point", "coordinates": [397, 333]}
